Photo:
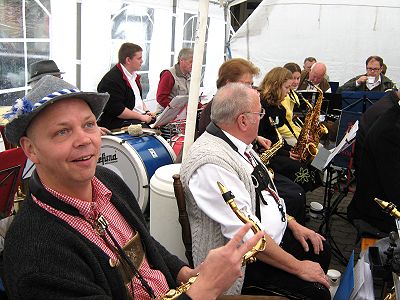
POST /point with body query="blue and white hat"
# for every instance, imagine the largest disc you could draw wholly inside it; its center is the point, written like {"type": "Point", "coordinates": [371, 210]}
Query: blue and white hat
{"type": "Point", "coordinates": [49, 89]}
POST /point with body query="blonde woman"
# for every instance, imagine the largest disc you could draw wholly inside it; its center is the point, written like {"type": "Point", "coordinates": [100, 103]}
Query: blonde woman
{"type": "Point", "coordinates": [273, 89]}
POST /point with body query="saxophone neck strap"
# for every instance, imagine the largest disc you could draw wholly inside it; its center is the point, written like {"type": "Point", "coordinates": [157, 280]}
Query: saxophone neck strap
{"type": "Point", "coordinates": [260, 177]}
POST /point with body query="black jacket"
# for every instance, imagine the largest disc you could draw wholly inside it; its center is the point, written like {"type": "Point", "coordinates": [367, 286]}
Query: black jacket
{"type": "Point", "coordinates": [368, 119]}
{"type": "Point", "coordinates": [379, 174]}
{"type": "Point", "coordinates": [121, 95]}
{"type": "Point", "coordinates": [350, 85]}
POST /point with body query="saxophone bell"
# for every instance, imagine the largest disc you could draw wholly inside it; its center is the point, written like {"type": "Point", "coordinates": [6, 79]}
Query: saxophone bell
{"type": "Point", "coordinates": [311, 132]}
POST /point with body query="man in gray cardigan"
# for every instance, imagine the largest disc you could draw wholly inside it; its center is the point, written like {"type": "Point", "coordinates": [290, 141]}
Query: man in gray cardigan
{"type": "Point", "coordinates": [295, 257]}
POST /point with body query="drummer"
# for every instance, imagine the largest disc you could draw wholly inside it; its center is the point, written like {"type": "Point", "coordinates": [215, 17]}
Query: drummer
{"type": "Point", "coordinates": [122, 82]}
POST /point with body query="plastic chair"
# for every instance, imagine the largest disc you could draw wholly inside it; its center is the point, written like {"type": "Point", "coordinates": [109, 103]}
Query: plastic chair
{"type": "Point", "coordinates": [12, 163]}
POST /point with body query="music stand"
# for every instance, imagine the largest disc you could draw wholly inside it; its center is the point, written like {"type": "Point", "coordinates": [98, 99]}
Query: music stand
{"type": "Point", "coordinates": [324, 161]}
{"type": "Point", "coordinates": [177, 107]}
{"type": "Point", "coordinates": [11, 165]}
{"type": "Point", "coordinates": [354, 104]}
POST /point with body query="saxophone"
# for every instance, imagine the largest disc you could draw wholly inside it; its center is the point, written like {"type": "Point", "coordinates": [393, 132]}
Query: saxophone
{"type": "Point", "coordinates": [247, 258]}
{"type": "Point", "coordinates": [229, 198]}
{"type": "Point", "coordinates": [311, 132]}
{"type": "Point", "coordinates": [388, 207]}
{"type": "Point", "coordinates": [268, 154]}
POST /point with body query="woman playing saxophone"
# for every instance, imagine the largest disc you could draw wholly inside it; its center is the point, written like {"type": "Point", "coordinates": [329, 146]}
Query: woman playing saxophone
{"type": "Point", "coordinates": [273, 90]}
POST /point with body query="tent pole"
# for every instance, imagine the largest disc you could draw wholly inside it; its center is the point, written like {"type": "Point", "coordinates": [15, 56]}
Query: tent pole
{"type": "Point", "coordinates": [196, 76]}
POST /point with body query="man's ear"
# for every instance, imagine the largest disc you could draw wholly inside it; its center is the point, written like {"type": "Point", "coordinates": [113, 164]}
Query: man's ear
{"type": "Point", "coordinates": [242, 122]}
{"type": "Point", "coordinates": [29, 149]}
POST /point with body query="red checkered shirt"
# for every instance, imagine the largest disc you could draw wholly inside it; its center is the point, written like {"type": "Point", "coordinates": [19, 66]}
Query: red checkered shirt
{"type": "Point", "coordinates": [119, 228]}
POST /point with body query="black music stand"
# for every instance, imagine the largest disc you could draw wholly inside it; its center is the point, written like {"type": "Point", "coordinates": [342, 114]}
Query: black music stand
{"type": "Point", "coordinates": [354, 104]}
{"type": "Point", "coordinates": [324, 161]}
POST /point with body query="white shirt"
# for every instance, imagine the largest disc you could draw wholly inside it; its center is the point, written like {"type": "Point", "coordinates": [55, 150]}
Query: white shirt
{"type": "Point", "coordinates": [203, 185]}
{"type": "Point", "coordinates": [139, 106]}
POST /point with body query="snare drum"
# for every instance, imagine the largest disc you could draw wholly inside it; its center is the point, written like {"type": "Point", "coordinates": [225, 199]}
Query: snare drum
{"type": "Point", "coordinates": [177, 143]}
{"type": "Point", "coordinates": [135, 159]}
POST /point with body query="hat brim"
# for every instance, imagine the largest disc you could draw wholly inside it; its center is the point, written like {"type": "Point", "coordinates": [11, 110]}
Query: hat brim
{"type": "Point", "coordinates": [18, 126]}
{"type": "Point", "coordinates": [37, 77]}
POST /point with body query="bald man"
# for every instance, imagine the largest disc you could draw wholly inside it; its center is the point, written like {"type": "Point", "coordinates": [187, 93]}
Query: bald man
{"type": "Point", "coordinates": [316, 76]}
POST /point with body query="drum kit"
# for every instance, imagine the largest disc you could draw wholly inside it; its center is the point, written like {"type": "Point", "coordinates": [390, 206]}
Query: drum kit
{"type": "Point", "coordinates": [135, 159]}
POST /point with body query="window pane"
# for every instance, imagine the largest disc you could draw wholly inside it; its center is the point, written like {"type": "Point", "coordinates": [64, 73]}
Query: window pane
{"type": "Point", "coordinates": [11, 19]}
{"type": "Point", "coordinates": [37, 20]}
{"type": "Point", "coordinates": [46, 4]}
{"type": "Point", "coordinates": [189, 28]}
{"type": "Point", "coordinates": [12, 65]}
{"type": "Point", "coordinates": [37, 51]}
{"type": "Point", "coordinates": [144, 81]}
{"type": "Point", "coordinates": [133, 24]}
{"type": "Point", "coordinates": [146, 55]}
{"type": "Point", "coordinates": [9, 98]}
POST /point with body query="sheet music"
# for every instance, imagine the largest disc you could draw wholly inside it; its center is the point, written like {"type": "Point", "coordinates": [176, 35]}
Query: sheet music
{"type": "Point", "coordinates": [324, 156]}
{"type": "Point", "coordinates": [174, 108]}
{"type": "Point", "coordinates": [363, 282]}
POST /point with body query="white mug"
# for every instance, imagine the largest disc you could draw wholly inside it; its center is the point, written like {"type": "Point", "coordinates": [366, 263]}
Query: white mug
{"type": "Point", "coordinates": [334, 277]}
{"type": "Point", "coordinates": [316, 209]}
{"type": "Point", "coordinates": [371, 79]}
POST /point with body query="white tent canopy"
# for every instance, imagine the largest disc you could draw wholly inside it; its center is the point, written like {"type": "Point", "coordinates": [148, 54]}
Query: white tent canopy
{"type": "Point", "coordinates": [340, 33]}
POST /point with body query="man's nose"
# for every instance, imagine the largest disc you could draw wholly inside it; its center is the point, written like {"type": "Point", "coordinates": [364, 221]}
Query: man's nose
{"type": "Point", "coordinates": [81, 138]}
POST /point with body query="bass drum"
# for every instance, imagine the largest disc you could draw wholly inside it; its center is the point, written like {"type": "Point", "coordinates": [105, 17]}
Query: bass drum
{"type": "Point", "coordinates": [135, 159]}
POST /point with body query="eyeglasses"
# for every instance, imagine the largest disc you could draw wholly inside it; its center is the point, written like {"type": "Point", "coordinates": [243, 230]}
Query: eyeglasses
{"type": "Point", "coordinates": [373, 69]}
{"type": "Point", "coordinates": [261, 114]}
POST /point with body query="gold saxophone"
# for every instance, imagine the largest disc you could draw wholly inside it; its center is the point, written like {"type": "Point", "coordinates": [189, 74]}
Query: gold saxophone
{"type": "Point", "coordinates": [247, 258]}
{"type": "Point", "coordinates": [269, 153]}
{"type": "Point", "coordinates": [229, 198]}
{"type": "Point", "coordinates": [388, 207]}
{"type": "Point", "coordinates": [311, 132]}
